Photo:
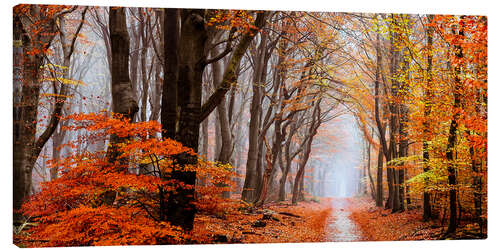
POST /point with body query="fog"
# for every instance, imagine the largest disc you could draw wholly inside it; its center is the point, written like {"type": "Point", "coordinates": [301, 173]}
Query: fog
{"type": "Point", "coordinates": [343, 178]}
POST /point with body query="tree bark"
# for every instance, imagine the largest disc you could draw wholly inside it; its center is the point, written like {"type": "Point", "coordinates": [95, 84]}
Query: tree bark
{"type": "Point", "coordinates": [26, 146]}
{"type": "Point", "coordinates": [122, 92]}
{"type": "Point", "coordinates": [427, 214]}
{"type": "Point", "coordinates": [313, 129]}
{"type": "Point", "coordinates": [380, 190]}
{"type": "Point", "coordinates": [190, 112]}
{"type": "Point", "coordinates": [452, 136]}
{"type": "Point", "coordinates": [226, 140]}
{"type": "Point", "coordinates": [171, 36]}
{"type": "Point", "coordinates": [124, 99]}
{"type": "Point", "coordinates": [251, 178]}
{"type": "Point", "coordinates": [368, 169]}
{"type": "Point", "coordinates": [193, 36]}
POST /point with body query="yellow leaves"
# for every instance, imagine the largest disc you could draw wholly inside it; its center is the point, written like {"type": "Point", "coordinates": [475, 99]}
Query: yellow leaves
{"type": "Point", "coordinates": [17, 43]}
{"type": "Point", "coordinates": [56, 95]}
{"type": "Point", "coordinates": [98, 201]}
{"type": "Point", "coordinates": [229, 19]}
{"type": "Point", "coordinates": [65, 81]}
{"type": "Point", "coordinates": [50, 65]}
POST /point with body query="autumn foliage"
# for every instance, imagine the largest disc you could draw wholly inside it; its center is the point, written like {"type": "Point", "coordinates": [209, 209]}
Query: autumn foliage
{"type": "Point", "coordinates": [282, 223]}
{"type": "Point", "coordinates": [416, 86]}
{"type": "Point", "coordinates": [377, 224]}
{"type": "Point", "coordinates": [105, 200]}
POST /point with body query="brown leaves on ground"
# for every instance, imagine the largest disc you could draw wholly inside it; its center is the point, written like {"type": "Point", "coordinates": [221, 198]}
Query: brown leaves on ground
{"type": "Point", "coordinates": [275, 223]}
{"type": "Point", "coordinates": [377, 224]}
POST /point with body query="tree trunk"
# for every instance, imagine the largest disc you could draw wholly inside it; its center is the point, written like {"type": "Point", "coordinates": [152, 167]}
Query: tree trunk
{"type": "Point", "coordinates": [26, 146]}
{"type": "Point", "coordinates": [380, 191]}
{"type": "Point", "coordinates": [169, 100]}
{"type": "Point", "coordinates": [122, 92]}
{"type": "Point", "coordinates": [380, 126]}
{"type": "Point", "coordinates": [180, 209]}
{"type": "Point", "coordinates": [313, 129]}
{"type": "Point", "coordinates": [368, 169]}
{"type": "Point", "coordinates": [452, 138]}
{"type": "Point", "coordinates": [171, 36]}
{"type": "Point", "coordinates": [427, 111]}
{"type": "Point", "coordinates": [124, 99]}
{"type": "Point", "coordinates": [225, 139]}
{"type": "Point", "coordinates": [251, 177]}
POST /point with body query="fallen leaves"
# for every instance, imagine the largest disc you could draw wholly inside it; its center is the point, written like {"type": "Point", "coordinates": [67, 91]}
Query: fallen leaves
{"type": "Point", "coordinates": [378, 224]}
{"type": "Point", "coordinates": [276, 223]}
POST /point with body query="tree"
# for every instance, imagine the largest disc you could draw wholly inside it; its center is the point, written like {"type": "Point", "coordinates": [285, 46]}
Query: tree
{"type": "Point", "coordinates": [427, 109]}
{"type": "Point", "coordinates": [34, 29]}
{"type": "Point", "coordinates": [313, 129]}
{"type": "Point", "coordinates": [186, 109]}
{"type": "Point", "coordinates": [75, 209]}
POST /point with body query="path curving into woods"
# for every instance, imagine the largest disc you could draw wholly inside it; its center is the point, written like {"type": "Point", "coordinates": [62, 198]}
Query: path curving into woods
{"type": "Point", "coordinates": [342, 228]}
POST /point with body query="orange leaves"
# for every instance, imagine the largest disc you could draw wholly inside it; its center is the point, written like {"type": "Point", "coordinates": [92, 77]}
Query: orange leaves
{"type": "Point", "coordinates": [116, 125]}
{"type": "Point", "coordinates": [377, 224]}
{"type": "Point", "coordinates": [100, 197]}
{"type": "Point", "coordinates": [98, 200]}
{"type": "Point", "coordinates": [309, 226]}
{"type": "Point", "coordinates": [143, 149]}
{"type": "Point", "coordinates": [87, 226]}
{"type": "Point", "coordinates": [214, 180]}
{"type": "Point", "coordinates": [228, 19]}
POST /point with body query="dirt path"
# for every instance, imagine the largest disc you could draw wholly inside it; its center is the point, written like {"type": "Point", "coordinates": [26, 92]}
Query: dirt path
{"type": "Point", "coordinates": [342, 227]}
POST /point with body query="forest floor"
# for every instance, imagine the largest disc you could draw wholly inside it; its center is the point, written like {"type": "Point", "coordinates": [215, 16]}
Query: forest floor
{"type": "Point", "coordinates": [275, 223]}
{"type": "Point", "coordinates": [319, 220]}
{"type": "Point", "coordinates": [327, 220]}
{"type": "Point", "coordinates": [343, 228]}
{"type": "Point", "coordinates": [378, 224]}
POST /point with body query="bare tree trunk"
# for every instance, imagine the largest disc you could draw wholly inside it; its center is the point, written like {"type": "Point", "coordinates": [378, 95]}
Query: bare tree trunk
{"type": "Point", "coordinates": [403, 135]}
{"type": "Point", "coordinates": [251, 177]}
{"type": "Point", "coordinates": [225, 139]}
{"type": "Point", "coordinates": [394, 122]}
{"type": "Point", "coordinates": [380, 190]}
{"type": "Point", "coordinates": [313, 129]}
{"type": "Point", "coordinates": [380, 126]}
{"type": "Point", "coordinates": [368, 169]}
{"type": "Point", "coordinates": [124, 99]}
{"type": "Point", "coordinates": [193, 37]}
{"type": "Point", "coordinates": [144, 34]}
{"type": "Point", "coordinates": [171, 34]}
{"type": "Point", "coordinates": [204, 131]}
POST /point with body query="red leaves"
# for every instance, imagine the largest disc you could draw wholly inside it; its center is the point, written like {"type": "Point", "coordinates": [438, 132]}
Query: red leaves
{"type": "Point", "coordinates": [103, 201]}
{"type": "Point", "coordinates": [87, 226]}
{"type": "Point", "coordinates": [116, 125]}
{"type": "Point", "coordinates": [99, 200]}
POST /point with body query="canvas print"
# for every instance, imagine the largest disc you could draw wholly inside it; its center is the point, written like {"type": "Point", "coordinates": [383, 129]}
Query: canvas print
{"type": "Point", "coordinates": [156, 126]}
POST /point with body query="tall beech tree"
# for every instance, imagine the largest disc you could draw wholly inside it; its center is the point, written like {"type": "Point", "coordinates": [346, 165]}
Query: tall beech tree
{"type": "Point", "coordinates": [184, 112]}
{"type": "Point", "coordinates": [35, 27]}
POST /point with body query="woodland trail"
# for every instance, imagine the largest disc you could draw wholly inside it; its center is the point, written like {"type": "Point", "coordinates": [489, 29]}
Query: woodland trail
{"type": "Point", "coordinates": [343, 228]}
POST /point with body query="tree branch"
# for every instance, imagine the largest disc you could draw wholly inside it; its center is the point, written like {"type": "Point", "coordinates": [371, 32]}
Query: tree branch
{"type": "Point", "coordinates": [229, 74]}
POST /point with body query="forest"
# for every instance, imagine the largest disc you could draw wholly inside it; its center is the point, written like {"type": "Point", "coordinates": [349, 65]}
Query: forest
{"type": "Point", "coordinates": [155, 126]}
